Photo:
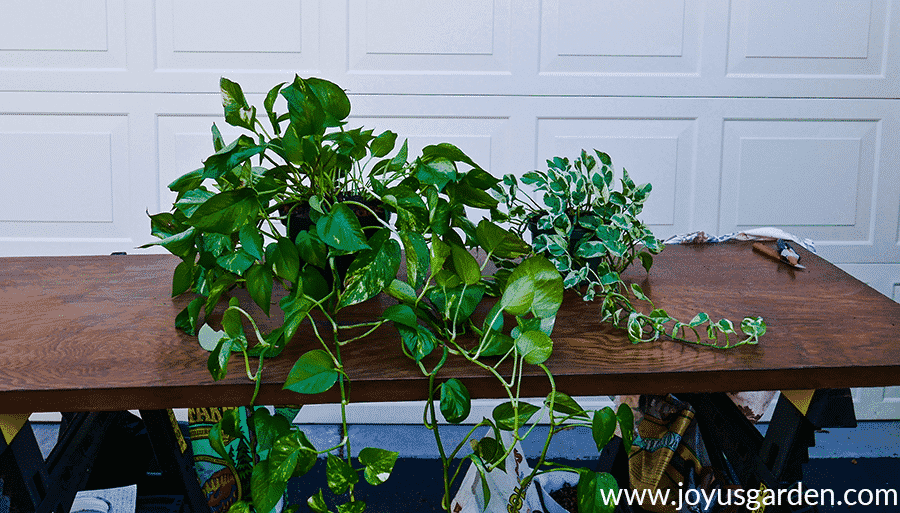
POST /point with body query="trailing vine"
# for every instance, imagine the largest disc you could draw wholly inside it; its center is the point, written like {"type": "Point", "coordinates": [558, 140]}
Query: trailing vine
{"type": "Point", "coordinates": [591, 233]}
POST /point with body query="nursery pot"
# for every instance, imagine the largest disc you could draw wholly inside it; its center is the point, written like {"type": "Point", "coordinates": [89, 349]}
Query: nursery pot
{"type": "Point", "coordinates": [299, 219]}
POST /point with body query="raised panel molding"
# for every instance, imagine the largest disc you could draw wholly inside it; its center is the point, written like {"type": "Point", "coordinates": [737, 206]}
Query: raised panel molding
{"type": "Point", "coordinates": [659, 151]}
{"type": "Point", "coordinates": [816, 39]}
{"type": "Point", "coordinates": [74, 180]}
{"type": "Point", "coordinates": [190, 36]}
{"type": "Point", "coordinates": [776, 174]}
{"type": "Point", "coordinates": [813, 175]}
{"type": "Point", "coordinates": [195, 31]}
{"type": "Point", "coordinates": [472, 37]}
{"type": "Point", "coordinates": [83, 184]}
{"type": "Point", "coordinates": [608, 38]}
{"type": "Point", "coordinates": [45, 25]}
{"type": "Point", "coordinates": [429, 29]}
{"type": "Point", "coordinates": [44, 34]}
{"type": "Point", "coordinates": [658, 33]}
{"type": "Point", "coordinates": [807, 30]}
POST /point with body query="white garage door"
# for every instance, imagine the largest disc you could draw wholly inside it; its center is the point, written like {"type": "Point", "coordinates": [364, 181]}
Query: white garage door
{"type": "Point", "coordinates": [742, 113]}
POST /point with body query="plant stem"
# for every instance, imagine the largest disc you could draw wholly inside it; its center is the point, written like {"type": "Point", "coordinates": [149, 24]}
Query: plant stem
{"type": "Point", "coordinates": [433, 426]}
{"type": "Point", "coordinates": [525, 482]}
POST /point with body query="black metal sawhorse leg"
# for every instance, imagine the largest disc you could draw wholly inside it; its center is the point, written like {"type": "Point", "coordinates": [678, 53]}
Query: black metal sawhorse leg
{"type": "Point", "coordinates": [774, 461]}
{"type": "Point", "coordinates": [115, 440]}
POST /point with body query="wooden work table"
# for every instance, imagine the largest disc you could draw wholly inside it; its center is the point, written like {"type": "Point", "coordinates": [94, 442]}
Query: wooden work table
{"type": "Point", "coordinates": [97, 333]}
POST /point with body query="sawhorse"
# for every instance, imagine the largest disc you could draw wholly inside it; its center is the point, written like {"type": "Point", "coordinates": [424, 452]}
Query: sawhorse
{"type": "Point", "coordinates": [99, 450]}
{"type": "Point", "coordinates": [774, 461]}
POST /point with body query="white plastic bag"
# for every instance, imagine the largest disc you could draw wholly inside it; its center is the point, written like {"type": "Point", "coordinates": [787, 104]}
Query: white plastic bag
{"type": "Point", "coordinates": [504, 487]}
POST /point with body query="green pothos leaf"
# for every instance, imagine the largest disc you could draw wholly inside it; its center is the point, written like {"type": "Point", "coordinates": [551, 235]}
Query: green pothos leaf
{"type": "Point", "coordinates": [372, 270]}
{"type": "Point", "coordinates": [456, 403]}
{"type": "Point", "coordinates": [225, 212]}
{"type": "Point", "coordinates": [231, 156]}
{"type": "Point", "coordinates": [465, 265]}
{"type": "Point", "coordinates": [534, 346]}
{"type": "Point", "coordinates": [340, 229]}
{"type": "Point", "coordinates": [237, 111]}
{"type": "Point", "coordinates": [292, 455]}
{"type": "Point", "coordinates": [456, 303]}
{"type": "Point", "coordinates": [316, 503]}
{"type": "Point", "coordinates": [417, 257]}
{"type": "Point", "coordinates": [240, 507]}
{"type": "Point", "coordinates": [259, 284]}
{"type": "Point", "coordinates": [596, 492]}
{"type": "Point", "coordinates": [534, 286]}
{"type": "Point", "coordinates": [508, 417]}
{"type": "Point", "coordinates": [489, 450]}
{"type": "Point", "coordinates": [418, 341]}
{"type": "Point", "coordinates": [183, 278]}
{"type": "Point", "coordinates": [378, 463]}
{"type": "Point", "coordinates": [501, 242]}
{"type": "Point", "coordinates": [603, 426]}
{"type": "Point", "coordinates": [339, 474]}
{"type": "Point", "coordinates": [352, 507]}
{"type": "Point", "coordinates": [267, 488]}
{"type": "Point", "coordinates": [564, 404]}
{"type": "Point", "coordinates": [268, 427]}
{"type": "Point", "coordinates": [187, 319]}
{"type": "Point", "coordinates": [626, 424]}
{"type": "Point", "coordinates": [313, 373]}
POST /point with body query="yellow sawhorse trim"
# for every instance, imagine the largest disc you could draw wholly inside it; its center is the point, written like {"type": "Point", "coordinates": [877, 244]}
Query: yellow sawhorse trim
{"type": "Point", "coordinates": [11, 423]}
{"type": "Point", "coordinates": [801, 399]}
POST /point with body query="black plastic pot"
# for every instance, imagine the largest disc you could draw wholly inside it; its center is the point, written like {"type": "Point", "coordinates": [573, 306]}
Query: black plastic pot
{"type": "Point", "coordinates": [300, 220]}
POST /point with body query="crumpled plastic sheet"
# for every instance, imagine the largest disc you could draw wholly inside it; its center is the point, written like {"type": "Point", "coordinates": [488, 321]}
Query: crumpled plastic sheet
{"type": "Point", "coordinates": [766, 233]}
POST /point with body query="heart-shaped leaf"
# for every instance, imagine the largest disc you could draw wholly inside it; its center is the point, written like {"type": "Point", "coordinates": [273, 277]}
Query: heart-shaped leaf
{"type": "Point", "coordinates": [313, 373]}
{"type": "Point", "coordinates": [500, 242]}
{"type": "Point", "coordinates": [225, 160]}
{"type": "Point", "coordinates": [534, 346]}
{"type": "Point", "coordinates": [225, 212]}
{"type": "Point", "coordinates": [372, 270]}
{"type": "Point", "coordinates": [339, 474]}
{"type": "Point", "coordinates": [340, 229]}
{"type": "Point", "coordinates": [465, 265]}
{"type": "Point", "coordinates": [534, 286]}
{"type": "Point", "coordinates": [378, 462]}
{"type": "Point", "coordinates": [259, 284]}
{"type": "Point", "coordinates": [285, 258]}
{"type": "Point", "coordinates": [597, 492]}
{"type": "Point", "coordinates": [267, 488]}
{"type": "Point", "coordinates": [626, 424]}
{"type": "Point", "coordinates": [292, 455]}
{"type": "Point", "coordinates": [603, 426]}
{"type": "Point", "coordinates": [456, 403]}
{"type": "Point", "coordinates": [417, 257]}
{"type": "Point", "coordinates": [564, 404]}
{"type": "Point", "coordinates": [507, 418]}
{"type": "Point", "coordinates": [237, 111]}
{"type": "Point", "coordinates": [268, 427]}
{"type": "Point", "coordinates": [418, 341]}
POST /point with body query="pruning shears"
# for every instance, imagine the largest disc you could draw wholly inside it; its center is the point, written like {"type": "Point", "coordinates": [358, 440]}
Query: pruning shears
{"type": "Point", "coordinates": [784, 253]}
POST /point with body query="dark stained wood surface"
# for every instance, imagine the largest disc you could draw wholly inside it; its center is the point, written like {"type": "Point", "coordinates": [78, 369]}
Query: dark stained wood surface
{"type": "Point", "coordinates": [97, 333]}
